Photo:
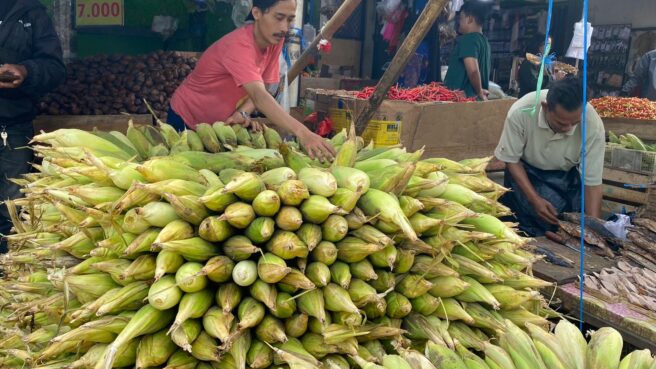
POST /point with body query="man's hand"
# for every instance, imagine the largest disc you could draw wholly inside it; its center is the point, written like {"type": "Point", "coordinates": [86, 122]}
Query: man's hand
{"type": "Point", "coordinates": [18, 71]}
{"type": "Point", "coordinates": [483, 95]}
{"type": "Point", "coordinates": [316, 147]}
{"type": "Point", "coordinates": [238, 118]}
{"type": "Point", "coordinates": [545, 210]}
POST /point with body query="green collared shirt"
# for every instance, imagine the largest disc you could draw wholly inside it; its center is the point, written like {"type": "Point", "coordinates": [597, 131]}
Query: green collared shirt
{"type": "Point", "coordinates": [529, 138]}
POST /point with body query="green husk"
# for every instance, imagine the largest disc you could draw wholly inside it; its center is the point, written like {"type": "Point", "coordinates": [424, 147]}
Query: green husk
{"type": "Point", "coordinates": [289, 218]}
{"type": "Point", "coordinates": [218, 269]}
{"type": "Point", "coordinates": [325, 252]}
{"type": "Point", "coordinates": [293, 192]}
{"type": "Point", "coordinates": [260, 230]}
{"type": "Point", "coordinates": [266, 203]}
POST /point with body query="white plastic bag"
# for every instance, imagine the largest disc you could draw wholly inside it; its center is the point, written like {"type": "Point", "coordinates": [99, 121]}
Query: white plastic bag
{"type": "Point", "coordinates": [386, 8]}
{"type": "Point", "coordinates": [619, 227]}
{"type": "Point", "coordinates": [240, 11]}
{"type": "Point", "coordinates": [164, 25]}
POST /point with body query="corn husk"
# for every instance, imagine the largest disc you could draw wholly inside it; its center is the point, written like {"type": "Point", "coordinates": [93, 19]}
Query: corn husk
{"type": "Point", "coordinates": [289, 219]}
{"type": "Point", "coordinates": [189, 278]}
{"type": "Point", "coordinates": [218, 323]}
{"type": "Point", "coordinates": [218, 269]}
{"type": "Point", "coordinates": [335, 228]}
{"type": "Point", "coordinates": [266, 203]}
{"type": "Point", "coordinates": [214, 229]}
{"type": "Point", "coordinates": [293, 192]}
{"type": "Point", "coordinates": [325, 252]}
{"type": "Point", "coordinates": [275, 177]}
{"type": "Point", "coordinates": [228, 296]}
{"type": "Point", "coordinates": [287, 246]}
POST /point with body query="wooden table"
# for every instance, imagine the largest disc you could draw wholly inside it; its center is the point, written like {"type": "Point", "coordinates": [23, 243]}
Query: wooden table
{"type": "Point", "coordinates": [637, 326]}
{"type": "Point", "coordinates": [561, 275]}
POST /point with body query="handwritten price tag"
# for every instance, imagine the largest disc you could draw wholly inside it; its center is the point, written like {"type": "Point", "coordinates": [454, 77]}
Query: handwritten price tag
{"type": "Point", "coordinates": [99, 13]}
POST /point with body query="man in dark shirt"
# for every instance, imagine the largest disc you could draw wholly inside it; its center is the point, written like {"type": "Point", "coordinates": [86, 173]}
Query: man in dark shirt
{"type": "Point", "coordinates": [528, 72]}
{"type": "Point", "coordinates": [30, 66]}
{"type": "Point", "coordinates": [469, 65]}
{"type": "Point", "coordinates": [643, 77]}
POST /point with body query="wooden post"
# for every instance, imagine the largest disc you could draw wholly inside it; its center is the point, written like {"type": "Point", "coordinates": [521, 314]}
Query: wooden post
{"type": "Point", "coordinates": [425, 21]}
{"type": "Point", "coordinates": [62, 11]}
{"type": "Point", "coordinates": [335, 23]}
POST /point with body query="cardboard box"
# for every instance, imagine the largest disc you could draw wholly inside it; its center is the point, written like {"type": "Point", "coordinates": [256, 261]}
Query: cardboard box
{"type": "Point", "coordinates": [643, 128]}
{"type": "Point", "coordinates": [49, 123]}
{"type": "Point", "coordinates": [452, 130]}
{"type": "Point", "coordinates": [333, 83]}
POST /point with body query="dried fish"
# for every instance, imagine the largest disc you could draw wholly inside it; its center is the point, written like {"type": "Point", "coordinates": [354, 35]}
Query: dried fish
{"type": "Point", "coordinates": [590, 237]}
{"type": "Point", "coordinates": [624, 266]}
{"type": "Point", "coordinates": [640, 260]}
{"type": "Point", "coordinates": [646, 222]}
{"type": "Point", "coordinates": [596, 225]}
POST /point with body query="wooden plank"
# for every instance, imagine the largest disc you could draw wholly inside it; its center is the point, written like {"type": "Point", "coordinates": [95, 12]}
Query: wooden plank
{"type": "Point", "coordinates": [426, 19]}
{"type": "Point", "coordinates": [612, 207]}
{"type": "Point", "coordinates": [621, 176]}
{"type": "Point", "coordinates": [625, 194]}
{"type": "Point", "coordinates": [635, 327]}
{"type": "Point", "coordinates": [560, 274]}
{"type": "Point", "coordinates": [49, 123]}
{"type": "Point", "coordinates": [644, 129]}
{"type": "Point", "coordinates": [327, 31]}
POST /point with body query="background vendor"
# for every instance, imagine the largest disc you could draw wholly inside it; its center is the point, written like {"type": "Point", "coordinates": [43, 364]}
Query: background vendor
{"type": "Point", "coordinates": [231, 78]}
{"type": "Point", "coordinates": [542, 152]}
{"type": "Point", "coordinates": [470, 62]}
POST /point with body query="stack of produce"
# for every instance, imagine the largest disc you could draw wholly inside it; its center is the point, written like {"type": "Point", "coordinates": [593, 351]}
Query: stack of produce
{"type": "Point", "coordinates": [425, 93]}
{"type": "Point", "coordinates": [640, 247]}
{"type": "Point", "coordinates": [133, 253]}
{"type": "Point", "coordinates": [629, 141]}
{"type": "Point", "coordinates": [117, 84]}
{"type": "Point", "coordinates": [624, 107]}
{"type": "Point", "coordinates": [630, 283]}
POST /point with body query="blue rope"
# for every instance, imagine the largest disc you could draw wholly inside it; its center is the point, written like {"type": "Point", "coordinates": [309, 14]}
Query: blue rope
{"type": "Point", "coordinates": [583, 134]}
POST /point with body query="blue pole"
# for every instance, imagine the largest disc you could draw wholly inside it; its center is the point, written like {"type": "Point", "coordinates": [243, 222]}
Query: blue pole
{"type": "Point", "coordinates": [583, 134]}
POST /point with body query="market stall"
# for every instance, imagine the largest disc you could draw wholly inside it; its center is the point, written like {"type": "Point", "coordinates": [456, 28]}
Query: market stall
{"type": "Point", "coordinates": [629, 159]}
{"type": "Point", "coordinates": [254, 257]}
{"type": "Point", "coordinates": [443, 122]}
{"type": "Point", "coordinates": [135, 245]}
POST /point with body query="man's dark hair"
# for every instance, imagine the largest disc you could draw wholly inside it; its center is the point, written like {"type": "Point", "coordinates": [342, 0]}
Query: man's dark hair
{"type": "Point", "coordinates": [263, 5]}
{"type": "Point", "coordinates": [477, 9]}
{"type": "Point", "coordinates": [568, 93]}
{"type": "Point", "coordinates": [535, 43]}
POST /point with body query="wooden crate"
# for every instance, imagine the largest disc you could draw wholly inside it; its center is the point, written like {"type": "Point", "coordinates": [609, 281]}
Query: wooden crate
{"type": "Point", "coordinates": [628, 191]}
{"type": "Point", "coordinates": [49, 123]}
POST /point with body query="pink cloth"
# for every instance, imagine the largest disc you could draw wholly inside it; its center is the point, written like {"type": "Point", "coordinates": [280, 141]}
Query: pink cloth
{"type": "Point", "coordinates": [212, 91]}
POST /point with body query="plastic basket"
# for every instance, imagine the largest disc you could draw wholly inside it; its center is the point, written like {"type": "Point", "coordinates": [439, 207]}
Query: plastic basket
{"type": "Point", "coordinates": [630, 160]}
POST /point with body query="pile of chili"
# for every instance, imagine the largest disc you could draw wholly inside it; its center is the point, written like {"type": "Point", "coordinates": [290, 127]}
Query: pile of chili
{"type": "Point", "coordinates": [624, 107]}
{"type": "Point", "coordinates": [425, 93]}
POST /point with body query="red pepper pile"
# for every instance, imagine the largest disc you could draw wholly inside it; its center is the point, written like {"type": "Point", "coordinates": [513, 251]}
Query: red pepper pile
{"type": "Point", "coordinates": [624, 107]}
{"type": "Point", "coordinates": [425, 93]}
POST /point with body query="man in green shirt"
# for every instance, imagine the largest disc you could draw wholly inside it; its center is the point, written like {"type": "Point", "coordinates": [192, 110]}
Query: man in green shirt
{"type": "Point", "coordinates": [469, 65]}
{"type": "Point", "coordinates": [542, 152]}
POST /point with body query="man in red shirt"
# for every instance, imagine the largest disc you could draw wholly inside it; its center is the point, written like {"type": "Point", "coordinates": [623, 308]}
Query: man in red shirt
{"type": "Point", "coordinates": [230, 80]}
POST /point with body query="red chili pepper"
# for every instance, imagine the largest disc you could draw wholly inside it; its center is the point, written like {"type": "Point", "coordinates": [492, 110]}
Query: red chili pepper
{"type": "Point", "coordinates": [624, 107]}
{"type": "Point", "coordinates": [426, 93]}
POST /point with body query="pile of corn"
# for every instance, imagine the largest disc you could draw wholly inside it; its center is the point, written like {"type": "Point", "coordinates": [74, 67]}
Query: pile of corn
{"type": "Point", "coordinates": [142, 250]}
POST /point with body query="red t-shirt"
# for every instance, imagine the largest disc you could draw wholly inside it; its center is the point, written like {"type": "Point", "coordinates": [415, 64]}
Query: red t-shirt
{"type": "Point", "coordinates": [211, 92]}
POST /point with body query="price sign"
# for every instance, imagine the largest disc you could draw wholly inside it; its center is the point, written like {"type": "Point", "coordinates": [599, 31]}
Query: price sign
{"type": "Point", "coordinates": [99, 13]}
